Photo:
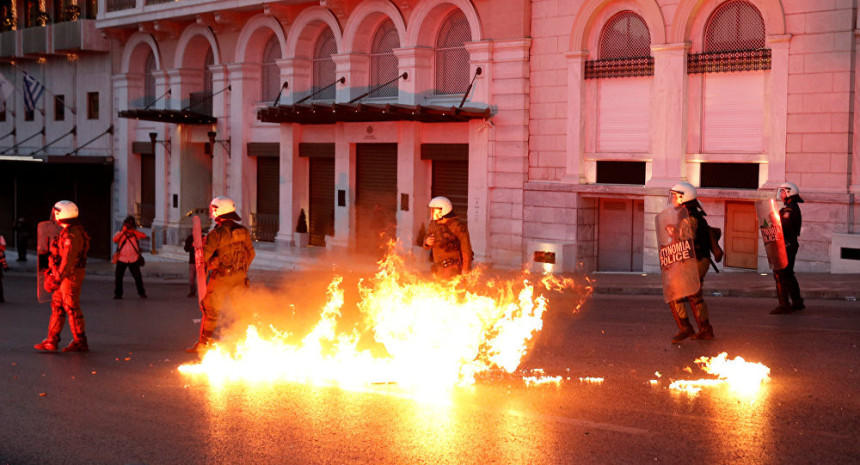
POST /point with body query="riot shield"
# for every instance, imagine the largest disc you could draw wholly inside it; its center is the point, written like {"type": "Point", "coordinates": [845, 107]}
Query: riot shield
{"type": "Point", "coordinates": [46, 232]}
{"type": "Point", "coordinates": [677, 254]}
{"type": "Point", "coordinates": [197, 231]}
{"type": "Point", "coordinates": [770, 226]}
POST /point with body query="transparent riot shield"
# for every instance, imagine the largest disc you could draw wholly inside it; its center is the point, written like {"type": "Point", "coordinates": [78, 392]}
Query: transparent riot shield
{"type": "Point", "coordinates": [677, 254]}
{"type": "Point", "coordinates": [46, 232]}
{"type": "Point", "coordinates": [770, 227]}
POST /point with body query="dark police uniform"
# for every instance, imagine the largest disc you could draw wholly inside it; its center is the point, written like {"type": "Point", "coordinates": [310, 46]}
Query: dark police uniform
{"type": "Point", "coordinates": [786, 282]}
{"type": "Point", "coordinates": [451, 249]}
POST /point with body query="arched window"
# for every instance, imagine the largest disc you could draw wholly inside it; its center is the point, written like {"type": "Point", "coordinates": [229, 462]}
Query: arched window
{"type": "Point", "coordinates": [383, 63]}
{"type": "Point", "coordinates": [270, 76]}
{"type": "Point", "coordinates": [734, 65]}
{"type": "Point", "coordinates": [452, 58]}
{"type": "Point", "coordinates": [623, 69]}
{"type": "Point", "coordinates": [324, 68]}
{"type": "Point", "coordinates": [734, 26]}
{"type": "Point", "coordinates": [149, 80]}
{"type": "Point", "coordinates": [625, 36]}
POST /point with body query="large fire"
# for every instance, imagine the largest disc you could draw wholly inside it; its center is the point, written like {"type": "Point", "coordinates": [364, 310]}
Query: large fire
{"type": "Point", "coordinates": [434, 335]}
{"type": "Point", "coordinates": [742, 377]}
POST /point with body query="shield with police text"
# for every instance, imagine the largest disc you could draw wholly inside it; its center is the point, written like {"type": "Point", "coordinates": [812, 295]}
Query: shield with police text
{"type": "Point", "coordinates": [770, 227]}
{"type": "Point", "coordinates": [46, 232]}
{"type": "Point", "coordinates": [677, 254]}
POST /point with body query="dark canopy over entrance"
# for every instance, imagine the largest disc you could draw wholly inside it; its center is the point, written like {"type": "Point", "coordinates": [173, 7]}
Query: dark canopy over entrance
{"type": "Point", "coordinates": [329, 113]}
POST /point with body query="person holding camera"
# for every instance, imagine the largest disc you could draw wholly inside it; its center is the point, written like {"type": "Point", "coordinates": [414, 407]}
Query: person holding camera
{"type": "Point", "coordinates": [128, 255]}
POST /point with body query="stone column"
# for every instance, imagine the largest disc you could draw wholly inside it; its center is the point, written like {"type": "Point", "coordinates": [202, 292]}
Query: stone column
{"type": "Point", "coordinates": [354, 67]}
{"type": "Point", "coordinates": [669, 102]}
{"type": "Point", "coordinates": [574, 173]}
{"type": "Point", "coordinates": [776, 113]}
{"type": "Point", "coordinates": [418, 63]}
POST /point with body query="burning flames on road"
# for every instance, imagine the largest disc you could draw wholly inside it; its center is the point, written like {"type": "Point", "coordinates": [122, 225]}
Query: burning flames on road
{"type": "Point", "coordinates": [433, 335]}
{"type": "Point", "coordinates": [742, 377]}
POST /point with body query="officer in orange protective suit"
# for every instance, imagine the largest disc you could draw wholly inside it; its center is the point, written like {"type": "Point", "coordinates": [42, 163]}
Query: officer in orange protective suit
{"type": "Point", "coordinates": [227, 253]}
{"type": "Point", "coordinates": [67, 269]}
{"type": "Point", "coordinates": [448, 240]}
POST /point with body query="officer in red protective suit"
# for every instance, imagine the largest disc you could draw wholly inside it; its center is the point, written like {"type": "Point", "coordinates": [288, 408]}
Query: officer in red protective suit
{"type": "Point", "coordinates": [787, 288]}
{"type": "Point", "coordinates": [684, 195]}
{"type": "Point", "coordinates": [67, 269]}
{"type": "Point", "coordinates": [227, 253]}
{"type": "Point", "coordinates": [448, 240]}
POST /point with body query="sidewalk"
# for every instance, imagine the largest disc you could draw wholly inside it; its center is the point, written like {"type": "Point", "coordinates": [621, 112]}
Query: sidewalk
{"type": "Point", "coordinates": [174, 266]}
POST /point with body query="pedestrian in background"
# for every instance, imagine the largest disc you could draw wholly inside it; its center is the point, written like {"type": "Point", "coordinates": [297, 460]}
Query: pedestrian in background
{"type": "Point", "coordinates": [787, 287]}
{"type": "Point", "coordinates": [3, 266]}
{"type": "Point", "coordinates": [22, 237]}
{"type": "Point", "coordinates": [128, 256]}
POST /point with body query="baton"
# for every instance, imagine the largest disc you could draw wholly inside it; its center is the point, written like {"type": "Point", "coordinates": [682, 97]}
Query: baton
{"type": "Point", "coordinates": [713, 265]}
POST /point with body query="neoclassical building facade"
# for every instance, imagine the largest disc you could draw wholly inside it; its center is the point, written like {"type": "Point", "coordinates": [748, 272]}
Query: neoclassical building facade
{"type": "Point", "coordinates": [555, 126]}
{"type": "Point", "coordinates": [629, 97]}
{"type": "Point", "coordinates": [351, 115]}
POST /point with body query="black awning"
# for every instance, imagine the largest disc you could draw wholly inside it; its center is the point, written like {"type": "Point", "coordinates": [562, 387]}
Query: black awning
{"type": "Point", "coordinates": [366, 113]}
{"type": "Point", "coordinates": [59, 159]}
{"type": "Point", "coordinates": [169, 116]}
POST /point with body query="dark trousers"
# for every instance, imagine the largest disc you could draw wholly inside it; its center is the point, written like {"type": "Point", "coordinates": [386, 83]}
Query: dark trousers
{"type": "Point", "coordinates": [120, 273]}
{"type": "Point", "coordinates": [22, 248]}
{"type": "Point", "coordinates": [786, 276]}
{"type": "Point", "coordinates": [2, 298]}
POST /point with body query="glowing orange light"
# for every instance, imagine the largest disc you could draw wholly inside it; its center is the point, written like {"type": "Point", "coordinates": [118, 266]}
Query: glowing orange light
{"type": "Point", "coordinates": [742, 377]}
{"type": "Point", "coordinates": [435, 335]}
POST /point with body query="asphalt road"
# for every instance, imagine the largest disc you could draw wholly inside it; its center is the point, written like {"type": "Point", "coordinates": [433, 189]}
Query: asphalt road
{"type": "Point", "coordinates": [125, 402]}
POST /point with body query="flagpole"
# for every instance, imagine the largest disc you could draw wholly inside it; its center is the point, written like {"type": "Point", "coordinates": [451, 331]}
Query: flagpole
{"type": "Point", "coordinates": [48, 91]}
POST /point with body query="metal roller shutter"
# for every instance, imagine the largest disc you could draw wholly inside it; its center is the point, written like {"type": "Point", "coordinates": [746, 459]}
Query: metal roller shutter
{"type": "Point", "coordinates": [376, 195]}
{"type": "Point", "coordinates": [268, 201]}
{"type": "Point", "coordinates": [624, 115]}
{"type": "Point", "coordinates": [451, 179]}
{"type": "Point", "coordinates": [734, 113]}
{"type": "Point", "coordinates": [321, 214]}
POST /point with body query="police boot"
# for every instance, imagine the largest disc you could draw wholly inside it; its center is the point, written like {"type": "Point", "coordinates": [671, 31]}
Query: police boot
{"type": "Point", "coordinates": [686, 329]}
{"type": "Point", "coordinates": [700, 312]}
{"type": "Point", "coordinates": [782, 297]}
{"type": "Point", "coordinates": [78, 345]}
{"type": "Point", "coordinates": [202, 344]}
{"type": "Point", "coordinates": [794, 292]}
{"type": "Point", "coordinates": [46, 346]}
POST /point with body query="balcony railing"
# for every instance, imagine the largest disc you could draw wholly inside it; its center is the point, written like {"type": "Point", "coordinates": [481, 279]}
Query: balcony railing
{"type": "Point", "coordinates": [79, 35]}
{"type": "Point", "coordinates": [36, 40]}
{"type": "Point", "coordinates": [9, 43]}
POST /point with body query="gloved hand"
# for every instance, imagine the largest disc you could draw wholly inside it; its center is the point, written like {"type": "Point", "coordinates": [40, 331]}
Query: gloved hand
{"type": "Point", "coordinates": [51, 284]}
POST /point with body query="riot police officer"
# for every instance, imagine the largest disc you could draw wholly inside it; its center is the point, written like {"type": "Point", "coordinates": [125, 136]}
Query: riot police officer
{"type": "Point", "coordinates": [67, 270]}
{"type": "Point", "coordinates": [684, 195]}
{"type": "Point", "coordinates": [786, 282]}
{"type": "Point", "coordinates": [227, 253]}
{"type": "Point", "coordinates": [448, 240]}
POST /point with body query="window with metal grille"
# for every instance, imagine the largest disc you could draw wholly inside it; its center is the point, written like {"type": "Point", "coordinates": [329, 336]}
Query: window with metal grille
{"type": "Point", "coordinates": [452, 58]}
{"type": "Point", "coordinates": [149, 80]}
{"type": "Point", "coordinates": [624, 49]}
{"type": "Point", "coordinates": [324, 68]}
{"type": "Point", "coordinates": [270, 78]}
{"type": "Point", "coordinates": [383, 63]}
{"type": "Point", "coordinates": [734, 41]}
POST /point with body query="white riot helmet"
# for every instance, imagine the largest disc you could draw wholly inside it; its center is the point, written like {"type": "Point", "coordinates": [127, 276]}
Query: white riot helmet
{"type": "Point", "coordinates": [65, 210]}
{"type": "Point", "coordinates": [789, 188]}
{"type": "Point", "coordinates": [685, 190]}
{"type": "Point", "coordinates": [441, 206]}
{"type": "Point", "coordinates": [221, 206]}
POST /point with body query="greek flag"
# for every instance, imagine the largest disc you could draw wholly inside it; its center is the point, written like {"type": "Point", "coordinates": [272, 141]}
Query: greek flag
{"type": "Point", "coordinates": [6, 88]}
{"type": "Point", "coordinates": [33, 91]}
